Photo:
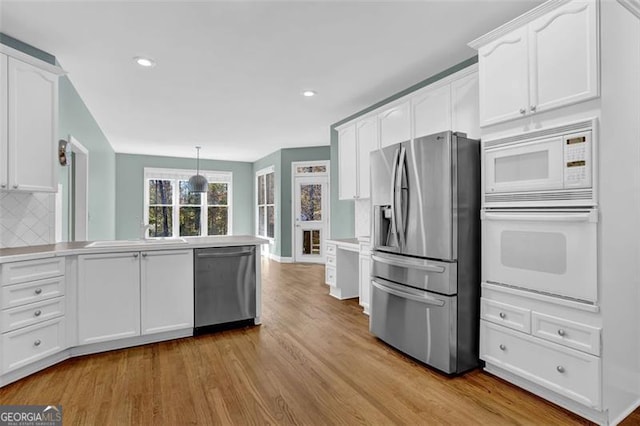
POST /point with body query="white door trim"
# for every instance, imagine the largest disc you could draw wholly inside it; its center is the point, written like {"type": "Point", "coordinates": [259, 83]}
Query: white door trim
{"type": "Point", "coordinates": [327, 216]}
{"type": "Point", "coordinates": [81, 223]}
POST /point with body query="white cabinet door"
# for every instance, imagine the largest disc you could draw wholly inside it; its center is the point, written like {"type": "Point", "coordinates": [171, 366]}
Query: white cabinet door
{"type": "Point", "coordinates": [108, 296]}
{"type": "Point", "coordinates": [166, 290]}
{"type": "Point", "coordinates": [431, 111]}
{"type": "Point", "coordinates": [464, 106]}
{"type": "Point", "coordinates": [367, 136]}
{"type": "Point", "coordinates": [33, 127]}
{"type": "Point", "coordinates": [347, 158]}
{"type": "Point", "coordinates": [395, 124]}
{"type": "Point", "coordinates": [504, 79]}
{"type": "Point", "coordinates": [4, 148]}
{"type": "Point", "coordinates": [563, 48]}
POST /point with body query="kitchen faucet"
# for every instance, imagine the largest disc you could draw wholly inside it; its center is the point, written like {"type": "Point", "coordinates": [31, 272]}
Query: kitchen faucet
{"type": "Point", "coordinates": [143, 230]}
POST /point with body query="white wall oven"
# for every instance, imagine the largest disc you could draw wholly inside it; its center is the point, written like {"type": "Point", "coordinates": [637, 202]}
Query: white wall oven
{"type": "Point", "coordinates": [547, 251]}
{"type": "Point", "coordinates": [551, 167]}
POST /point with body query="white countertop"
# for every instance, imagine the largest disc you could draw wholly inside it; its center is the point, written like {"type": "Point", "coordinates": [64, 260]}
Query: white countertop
{"type": "Point", "coordinates": [80, 247]}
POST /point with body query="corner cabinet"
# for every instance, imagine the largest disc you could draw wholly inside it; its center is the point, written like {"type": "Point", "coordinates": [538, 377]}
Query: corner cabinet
{"type": "Point", "coordinates": [130, 294]}
{"type": "Point", "coordinates": [540, 62]}
{"type": "Point", "coordinates": [29, 125]}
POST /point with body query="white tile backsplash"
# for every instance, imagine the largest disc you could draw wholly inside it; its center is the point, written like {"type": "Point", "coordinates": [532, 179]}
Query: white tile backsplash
{"type": "Point", "coordinates": [26, 219]}
{"type": "Point", "coordinates": [363, 217]}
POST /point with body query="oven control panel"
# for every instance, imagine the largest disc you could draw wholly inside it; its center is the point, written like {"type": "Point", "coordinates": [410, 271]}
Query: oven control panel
{"type": "Point", "coordinates": [577, 160]}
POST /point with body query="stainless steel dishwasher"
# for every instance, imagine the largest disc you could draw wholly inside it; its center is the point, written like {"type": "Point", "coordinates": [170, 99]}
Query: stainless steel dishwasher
{"type": "Point", "coordinates": [225, 287]}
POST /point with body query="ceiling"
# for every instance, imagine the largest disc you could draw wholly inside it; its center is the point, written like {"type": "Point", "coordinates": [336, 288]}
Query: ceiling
{"type": "Point", "coordinates": [229, 75]}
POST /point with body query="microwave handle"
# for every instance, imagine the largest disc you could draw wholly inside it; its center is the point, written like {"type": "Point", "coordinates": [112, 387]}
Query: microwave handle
{"type": "Point", "coordinates": [591, 216]}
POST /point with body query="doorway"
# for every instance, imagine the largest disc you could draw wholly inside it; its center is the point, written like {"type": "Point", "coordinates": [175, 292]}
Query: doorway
{"type": "Point", "coordinates": [74, 196]}
{"type": "Point", "coordinates": [310, 210]}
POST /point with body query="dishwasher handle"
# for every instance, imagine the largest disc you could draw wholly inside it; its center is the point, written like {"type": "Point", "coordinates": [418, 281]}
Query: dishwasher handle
{"type": "Point", "coordinates": [225, 253]}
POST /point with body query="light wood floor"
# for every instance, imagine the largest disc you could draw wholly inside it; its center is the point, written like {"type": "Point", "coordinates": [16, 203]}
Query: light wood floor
{"type": "Point", "coordinates": [312, 361]}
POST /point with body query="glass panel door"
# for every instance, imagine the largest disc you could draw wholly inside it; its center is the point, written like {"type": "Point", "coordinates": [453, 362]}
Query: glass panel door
{"type": "Point", "coordinates": [310, 218]}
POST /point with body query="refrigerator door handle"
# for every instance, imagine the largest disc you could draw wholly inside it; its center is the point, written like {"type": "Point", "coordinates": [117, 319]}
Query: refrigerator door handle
{"type": "Point", "coordinates": [428, 300]}
{"type": "Point", "coordinates": [401, 216]}
{"type": "Point", "coordinates": [408, 264]}
{"type": "Point", "coordinates": [394, 224]}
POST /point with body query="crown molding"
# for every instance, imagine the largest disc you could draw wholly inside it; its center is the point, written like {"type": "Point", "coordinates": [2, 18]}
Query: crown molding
{"type": "Point", "coordinates": [632, 6]}
{"type": "Point", "coordinates": [15, 53]}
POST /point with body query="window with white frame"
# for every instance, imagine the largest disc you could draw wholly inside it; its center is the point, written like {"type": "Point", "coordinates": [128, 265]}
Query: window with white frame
{"type": "Point", "coordinates": [266, 204]}
{"type": "Point", "coordinates": [171, 210]}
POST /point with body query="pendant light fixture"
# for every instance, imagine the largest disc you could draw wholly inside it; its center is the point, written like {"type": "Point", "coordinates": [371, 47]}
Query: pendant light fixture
{"type": "Point", "coordinates": [197, 182]}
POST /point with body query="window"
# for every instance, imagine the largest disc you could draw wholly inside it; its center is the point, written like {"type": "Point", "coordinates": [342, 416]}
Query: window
{"type": "Point", "coordinates": [173, 211]}
{"type": "Point", "coordinates": [266, 202]}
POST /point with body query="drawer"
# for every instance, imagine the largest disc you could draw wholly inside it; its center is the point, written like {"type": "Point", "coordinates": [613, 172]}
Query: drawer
{"type": "Point", "coordinates": [21, 294]}
{"type": "Point", "coordinates": [330, 275]}
{"type": "Point", "coordinates": [331, 261]}
{"type": "Point", "coordinates": [568, 333]}
{"type": "Point", "coordinates": [504, 314]}
{"type": "Point", "coordinates": [29, 344]}
{"type": "Point", "coordinates": [30, 270]}
{"type": "Point", "coordinates": [568, 372]}
{"type": "Point", "coordinates": [331, 249]}
{"type": "Point", "coordinates": [32, 313]}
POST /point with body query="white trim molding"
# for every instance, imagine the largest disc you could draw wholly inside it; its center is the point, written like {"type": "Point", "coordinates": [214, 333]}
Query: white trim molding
{"type": "Point", "coordinates": [277, 258]}
{"type": "Point", "coordinates": [15, 53]}
{"type": "Point", "coordinates": [632, 6]}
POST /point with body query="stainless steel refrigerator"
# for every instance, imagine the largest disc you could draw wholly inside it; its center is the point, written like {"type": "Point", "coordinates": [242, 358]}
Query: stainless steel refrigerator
{"type": "Point", "coordinates": [425, 275]}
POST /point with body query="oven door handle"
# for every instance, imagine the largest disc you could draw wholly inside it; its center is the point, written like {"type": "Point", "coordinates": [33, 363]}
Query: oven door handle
{"type": "Point", "coordinates": [408, 264]}
{"type": "Point", "coordinates": [591, 216]}
{"type": "Point", "coordinates": [428, 300]}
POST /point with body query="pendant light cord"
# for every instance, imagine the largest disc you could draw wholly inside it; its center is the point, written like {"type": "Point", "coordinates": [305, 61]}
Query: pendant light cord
{"type": "Point", "coordinates": [198, 160]}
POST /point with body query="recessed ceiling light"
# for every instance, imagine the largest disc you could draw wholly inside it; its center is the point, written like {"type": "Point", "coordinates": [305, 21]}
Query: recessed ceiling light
{"type": "Point", "coordinates": [144, 62]}
{"type": "Point", "coordinates": [308, 93]}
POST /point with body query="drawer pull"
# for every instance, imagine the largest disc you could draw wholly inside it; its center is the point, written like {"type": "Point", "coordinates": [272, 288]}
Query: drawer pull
{"type": "Point", "coordinates": [561, 332]}
{"type": "Point", "coordinates": [503, 347]}
{"type": "Point", "coordinates": [503, 315]}
{"type": "Point", "coordinates": [37, 313]}
{"type": "Point", "coordinates": [38, 290]}
{"type": "Point", "coordinates": [37, 342]}
{"type": "Point", "coordinates": [135, 255]}
{"type": "Point", "coordinates": [560, 369]}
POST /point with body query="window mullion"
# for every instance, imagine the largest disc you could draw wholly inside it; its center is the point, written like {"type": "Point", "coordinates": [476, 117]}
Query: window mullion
{"type": "Point", "coordinates": [204, 215]}
{"type": "Point", "coordinates": [176, 208]}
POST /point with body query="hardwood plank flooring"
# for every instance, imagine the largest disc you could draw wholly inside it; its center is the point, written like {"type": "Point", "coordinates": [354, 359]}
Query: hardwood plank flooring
{"type": "Point", "coordinates": [312, 361]}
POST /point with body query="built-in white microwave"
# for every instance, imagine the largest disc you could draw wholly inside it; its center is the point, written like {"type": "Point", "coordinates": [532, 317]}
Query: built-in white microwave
{"type": "Point", "coordinates": [544, 168]}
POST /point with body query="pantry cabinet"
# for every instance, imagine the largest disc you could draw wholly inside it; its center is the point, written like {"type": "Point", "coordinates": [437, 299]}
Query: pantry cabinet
{"type": "Point", "coordinates": [29, 118]}
{"type": "Point", "coordinates": [128, 294]}
{"type": "Point", "coordinates": [542, 64]}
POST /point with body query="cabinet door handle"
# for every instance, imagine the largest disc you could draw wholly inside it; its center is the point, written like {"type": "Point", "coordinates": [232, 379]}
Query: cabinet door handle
{"type": "Point", "coordinates": [4, 185]}
{"type": "Point", "coordinates": [560, 369]}
{"type": "Point", "coordinates": [37, 313]}
{"type": "Point", "coordinates": [144, 254]}
{"type": "Point", "coordinates": [523, 111]}
{"type": "Point", "coordinates": [38, 291]}
{"type": "Point", "coordinates": [503, 347]}
{"type": "Point", "coordinates": [532, 108]}
{"type": "Point", "coordinates": [37, 342]}
{"type": "Point", "coordinates": [561, 332]}
{"type": "Point", "coordinates": [15, 186]}
{"type": "Point", "coordinates": [135, 255]}
{"type": "Point", "coordinates": [503, 315]}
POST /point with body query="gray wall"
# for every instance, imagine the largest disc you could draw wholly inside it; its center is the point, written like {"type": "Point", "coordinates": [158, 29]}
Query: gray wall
{"type": "Point", "coordinates": [342, 212]}
{"type": "Point", "coordinates": [130, 190]}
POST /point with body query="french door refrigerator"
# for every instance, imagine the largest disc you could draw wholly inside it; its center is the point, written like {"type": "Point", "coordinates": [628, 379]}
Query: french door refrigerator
{"type": "Point", "coordinates": [425, 278]}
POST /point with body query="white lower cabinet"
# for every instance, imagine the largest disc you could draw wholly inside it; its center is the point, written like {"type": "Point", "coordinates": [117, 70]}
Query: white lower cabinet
{"type": "Point", "coordinates": [108, 296]}
{"type": "Point", "coordinates": [128, 294]}
{"type": "Point", "coordinates": [166, 290]}
{"type": "Point", "coordinates": [30, 344]}
{"type": "Point", "coordinates": [365, 277]}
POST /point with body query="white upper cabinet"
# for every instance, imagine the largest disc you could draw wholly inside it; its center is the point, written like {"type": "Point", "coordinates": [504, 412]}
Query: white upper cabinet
{"type": "Point", "coordinates": [431, 110]}
{"type": "Point", "coordinates": [29, 148]}
{"type": "Point", "coordinates": [465, 106]}
{"type": "Point", "coordinates": [347, 157]}
{"type": "Point", "coordinates": [548, 61]}
{"type": "Point", "coordinates": [367, 138]}
{"type": "Point", "coordinates": [504, 78]}
{"type": "Point", "coordinates": [355, 143]}
{"type": "Point", "coordinates": [395, 124]}
{"type": "Point", "coordinates": [564, 56]}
